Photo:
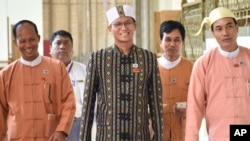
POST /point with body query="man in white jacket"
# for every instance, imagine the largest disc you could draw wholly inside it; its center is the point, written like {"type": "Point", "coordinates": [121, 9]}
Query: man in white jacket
{"type": "Point", "coordinates": [61, 45]}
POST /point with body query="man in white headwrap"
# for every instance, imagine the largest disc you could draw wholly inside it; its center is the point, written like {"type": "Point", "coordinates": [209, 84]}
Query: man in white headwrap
{"type": "Point", "coordinates": [219, 88]}
{"type": "Point", "coordinates": [124, 80]}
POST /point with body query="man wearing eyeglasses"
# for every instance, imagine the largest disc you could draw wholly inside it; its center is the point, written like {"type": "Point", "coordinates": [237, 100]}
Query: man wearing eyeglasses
{"type": "Point", "coordinates": [124, 80]}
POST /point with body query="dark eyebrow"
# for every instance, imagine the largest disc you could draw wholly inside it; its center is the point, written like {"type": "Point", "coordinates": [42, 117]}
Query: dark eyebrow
{"type": "Point", "coordinates": [229, 23]}
{"type": "Point", "coordinates": [178, 37]}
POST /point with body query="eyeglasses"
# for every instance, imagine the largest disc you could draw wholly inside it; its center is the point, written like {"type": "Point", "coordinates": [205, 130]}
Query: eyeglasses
{"type": "Point", "coordinates": [126, 24]}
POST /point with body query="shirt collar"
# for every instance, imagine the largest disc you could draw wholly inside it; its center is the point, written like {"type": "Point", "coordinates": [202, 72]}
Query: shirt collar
{"type": "Point", "coordinates": [229, 55]}
{"type": "Point", "coordinates": [168, 64]}
{"type": "Point", "coordinates": [69, 66]}
{"type": "Point", "coordinates": [33, 63]}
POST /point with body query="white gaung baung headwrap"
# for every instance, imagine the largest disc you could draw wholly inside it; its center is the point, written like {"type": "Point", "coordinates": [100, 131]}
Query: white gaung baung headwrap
{"type": "Point", "coordinates": [119, 11]}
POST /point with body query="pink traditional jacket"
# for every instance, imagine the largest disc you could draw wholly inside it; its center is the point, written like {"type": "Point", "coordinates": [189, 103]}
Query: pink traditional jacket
{"type": "Point", "coordinates": [219, 90]}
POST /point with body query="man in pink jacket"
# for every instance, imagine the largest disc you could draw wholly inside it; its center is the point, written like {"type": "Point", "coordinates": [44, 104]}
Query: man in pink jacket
{"type": "Point", "coordinates": [219, 88]}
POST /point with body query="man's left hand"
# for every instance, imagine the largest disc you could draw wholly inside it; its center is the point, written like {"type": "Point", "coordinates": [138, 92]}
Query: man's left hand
{"type": "Point", "coordinates": [58, 136]}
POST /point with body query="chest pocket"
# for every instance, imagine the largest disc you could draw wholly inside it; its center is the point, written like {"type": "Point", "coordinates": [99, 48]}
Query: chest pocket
{"type": "Point", "coordinates": [49, 97]}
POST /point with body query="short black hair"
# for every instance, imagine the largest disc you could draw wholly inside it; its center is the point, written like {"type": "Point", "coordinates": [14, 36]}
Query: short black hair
{"type": "Point", "coordinates": [169, 26]}
{"type": "Point", "coordinates": [22, 22]}
{"type": "Point", "coordinates": [61, 33]}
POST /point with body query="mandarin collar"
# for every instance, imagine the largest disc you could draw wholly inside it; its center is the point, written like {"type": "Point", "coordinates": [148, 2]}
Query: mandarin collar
{"type": "Point", "coordinates": [117, 50]}
{"type": "Point", "coordinates": [33, 63]}
{"type": "Point", "coordinates": [168, 64]}
{"type": "Point", "coordinates": [229, 55]}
